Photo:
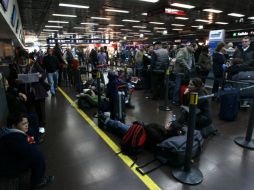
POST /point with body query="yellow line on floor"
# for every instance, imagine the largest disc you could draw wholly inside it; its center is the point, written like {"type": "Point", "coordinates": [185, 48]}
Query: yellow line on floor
{"type": "Point", "coordinates": [127, 160]}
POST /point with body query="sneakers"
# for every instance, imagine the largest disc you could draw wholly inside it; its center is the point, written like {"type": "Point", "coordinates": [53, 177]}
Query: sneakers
{"type": "Point", "coordinates": [45, 182]}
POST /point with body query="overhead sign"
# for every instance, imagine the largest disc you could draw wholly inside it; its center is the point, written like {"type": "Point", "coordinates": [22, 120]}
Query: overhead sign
{"type": "Point", "coordinates": [175, 12]}
{"type": "Point", "coordinates": [242, 33]}
{"type": "Point", "coordinates": [217, 35]}
{"type": "Point", "coordinates": [77, 41]}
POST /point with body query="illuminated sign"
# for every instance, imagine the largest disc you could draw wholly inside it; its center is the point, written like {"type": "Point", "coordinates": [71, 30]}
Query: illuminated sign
{"type": "Point", "coordinates": [217, 35]}
{"type": "Point", "coordinates": [174, 12]}
{"type": "Point", "coordinates": [78, 41]}
{"type": "Point", "coordinates": [243, 33]}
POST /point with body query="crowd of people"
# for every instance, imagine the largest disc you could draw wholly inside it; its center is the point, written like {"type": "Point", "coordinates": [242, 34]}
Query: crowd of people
{"type": "Point", "coordinates": [190, 66]}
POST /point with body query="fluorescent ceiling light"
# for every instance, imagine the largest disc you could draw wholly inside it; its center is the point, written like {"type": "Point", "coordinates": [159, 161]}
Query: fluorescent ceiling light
{"type": "Point", "coordinates": [181, 18]}
{"type": "Point", "coordinates": [78, 27]}
{"type": "Point", "coordinates": [126, 20]}
{"type": "Point", "coordinates": [194, 26]}
{"type": "Point", "coordinates": [199, 27]}
{"type": "Point", "coordinates": [251, 18]}
{"type": "Point", "coordinates": [159, 28]}
{"type": "Point", "coordinates": [182, 5]}
{"type": "Point", "coordinates": [212, 10]}
{"type": "Point", "coordinates": [156, 23]}
{"type": "Point", "coordinates": [120, 25]}
{"type": "Point", "coordinates": [177, 29]}
{"type": "Point", "coordinates": [144, 14]}
{"type": "Point", "coordinates": [74, 6]}
{"type": "Point", "coordinates": [102, 28]}
{"type": "Point", "coordinates": [117, 10]}
{"type": "Point", "coordinates": [177, 25]}
{"type": "Point", "coordinates": [148, 33]}
{"type": "Point", "coordinates": [150, 1]}
{"type": "Point", "coordinates": [202, 20]}
{"type": "Point", "coordinates": [235, 15]}
{"type": "Point", "coordinates": [58, 21]}
{"type": "Point", "coordinates": [100, 18]}
{"type": "Point", "coordinates": [223, 23]}
{"type": "Point", "coordinates": [138, 26]}
{"type": "Point", "coordinates": [144, 31]}
{"type": "Point", "coordinates": [48, 30]}
{"type": "Point", "coordinates": [89, 23]}
{"type": "Point", "coordinates": [64, 15]}
{"type": "Point", "coordinates": [47, 26]}
{"type": "Point", "coordinates": [115, 32]}
{"type": "Point", "coordinates": [123, 29]}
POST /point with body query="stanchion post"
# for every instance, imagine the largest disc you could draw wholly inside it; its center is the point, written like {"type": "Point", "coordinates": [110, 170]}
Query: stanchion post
{"type": "Point", "coordinates": [98, 78]}
{"type": "Point", "coordinates": [187, 174]}
{"type": "Point", "coordinates": [247, 142]}
{"type": "Point", "coordinates": [165, 107]}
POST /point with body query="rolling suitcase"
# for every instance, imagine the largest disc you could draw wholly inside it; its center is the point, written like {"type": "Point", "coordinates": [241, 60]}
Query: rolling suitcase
{"type": "Point", "coordinates": [229, 106]}
{"type": "Point", "coordinates": [120, 107]}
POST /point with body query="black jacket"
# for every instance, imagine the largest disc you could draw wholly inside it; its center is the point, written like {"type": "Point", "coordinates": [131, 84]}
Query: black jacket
{"type": "Point", "coordinates": [247, 56]}
{"type": "Point", "coordinates": [17, 155]}
{"type": "Point", "coordinates": [218, 61]}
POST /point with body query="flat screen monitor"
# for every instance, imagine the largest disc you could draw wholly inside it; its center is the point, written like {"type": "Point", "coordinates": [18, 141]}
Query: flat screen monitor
{"type": "Point", "coordinates": [5, 4]}
{"type": "Point", "coordinates": [13, 16]}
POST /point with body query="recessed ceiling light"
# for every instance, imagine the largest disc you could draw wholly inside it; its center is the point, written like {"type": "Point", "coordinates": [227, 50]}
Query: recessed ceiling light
{"type": "Point", "coordinates": [202, 20]}
{"type": "Point", "coordinates": [118, 25]}
{"type": "Point", "coordinates": [236, 15]}
{"type": "Point", "coordinates": [144, 14]}
{"type": "Point", "coordinates": [138, 26]}
{"type": "Point", "coordinates": [177, 25]}
{"type": "Point", "coordinates": [47, 26]}
{"type": "Point", "coordinates": [177, 29]}
{"type": "Point", "coordinates": [144, 31]}
{"type": "Point", "coordinates": [212, 10]}
{"type": "Point", "coordinates": [78, 27]}
{"type": "Point", "coordinates": [182, 5]}
{"type": "Point", "coordinates": [123, 29]}
{"type": "Point", "coordinates": [150, 1]}
{"type": "Point", "coordinates": [117, 10]}
{"type": "Point", "coordinates": [64, 15]}
{"type": "Point", "coordinates": [74, 6]}
{"type": "Point", "coordinates": [89, 23]}
{"type": "Point", "coordinates": [159, 28]}
{"type": "Point", "coordinates": [181, 18]}
{"type": "Point", "coordinates": [100, 18]}
{"type": "Point", "coordinates": [223, 23]}
{"type": "Point", "coordinates": [251, 18]}
{"type": "Point", "coordinates": [126, 20]}
{"type": "Point", "coordinates": [58, 21]}
{"type": "Point", "coordinates": [156, 23]}
{"type": "Point", "coordinates": [48, 30]}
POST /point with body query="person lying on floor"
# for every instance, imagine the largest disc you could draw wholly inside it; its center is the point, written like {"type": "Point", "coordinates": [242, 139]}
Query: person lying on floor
{"type": "Point", "coordinates": [203, 117]}
{"type": "Point", "coordinates": [18, 155]}
{"type": "Point", "coordinates": [156, 133]}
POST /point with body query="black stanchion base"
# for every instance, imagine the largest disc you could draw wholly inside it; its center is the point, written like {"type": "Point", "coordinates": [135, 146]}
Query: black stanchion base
{"type": "Point", "coordinates": [164, 108]}
{"type": "Point", "coordinates": [193, 177]}
{"type": "Point", "coordinates": [243, 143]}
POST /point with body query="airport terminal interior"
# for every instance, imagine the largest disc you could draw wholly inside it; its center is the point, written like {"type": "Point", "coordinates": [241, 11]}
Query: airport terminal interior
{"type": "Point", "coordinates": [126, 94]}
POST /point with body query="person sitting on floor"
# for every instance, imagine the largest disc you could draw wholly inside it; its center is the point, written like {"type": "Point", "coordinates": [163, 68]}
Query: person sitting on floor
{"type": "Point", "coordinates": [204, 117]}
{"type": "Point", "coordinates": [19, 156]}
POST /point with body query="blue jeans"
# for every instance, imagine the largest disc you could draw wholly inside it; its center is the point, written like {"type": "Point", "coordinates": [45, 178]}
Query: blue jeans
{"type": "Point", "coordinates": [52, 79]}
{"type": "Point", "coordinates": [114, 124]}
{"type": "Point", "coordinates": [176, 95]}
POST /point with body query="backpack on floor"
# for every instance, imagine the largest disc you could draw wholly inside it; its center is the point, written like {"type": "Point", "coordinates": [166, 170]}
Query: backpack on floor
{"type": "Point", "coordinates": [134, 140]}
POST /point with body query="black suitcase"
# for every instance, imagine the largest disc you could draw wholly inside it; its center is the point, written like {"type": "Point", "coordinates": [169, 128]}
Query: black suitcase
{"type": "Point", "coordinates": [229, 106]}
{"type": "Point", "coordinates": [120, 107]}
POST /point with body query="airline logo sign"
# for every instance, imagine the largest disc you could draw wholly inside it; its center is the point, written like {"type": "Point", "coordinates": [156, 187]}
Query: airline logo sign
{"type": "Point", "coordinates": [217, 35]}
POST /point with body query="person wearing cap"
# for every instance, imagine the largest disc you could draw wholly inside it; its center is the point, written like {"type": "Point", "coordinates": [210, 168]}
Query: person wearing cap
{"type": "Point", "coordinates": [160, 61]}
{"type": "Point", "coordinates": [184, 68]}
{"type": "Point", "coordinates": [246, 52]}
